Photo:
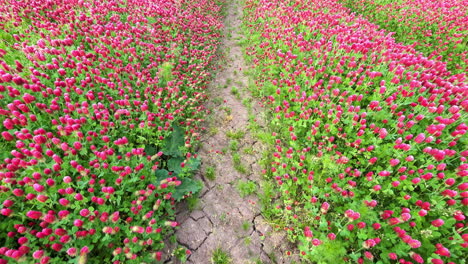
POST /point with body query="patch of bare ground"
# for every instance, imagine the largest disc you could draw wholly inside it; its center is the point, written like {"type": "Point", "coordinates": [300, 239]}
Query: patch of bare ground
{"type": "Point", "coordinates": [227, 215]}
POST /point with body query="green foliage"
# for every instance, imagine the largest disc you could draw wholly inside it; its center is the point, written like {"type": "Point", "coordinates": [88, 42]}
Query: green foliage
{"type": "Point", "coordinates": [224, 150]}
{"type": "Point", "coordinates": [232, 134]}
{"type": "Point", "coordinates": [173, 164]}
{"type": "Point", "coordinates": [234, 145]}
{"type": "Point", "coordinates": [165, 73]}
{"type": "Point", "coordinates": [180, 167]}
{"type": "Point", "coordinates": [181, 253]}
{"type": "Point", "coordinates": [328, 252]}
{"type": "Point", "coordinates": [265, 196]}
{"type": "Point", "coordinates": [246, 225]}
{"type": "Point", "coordinates": [174, 142]}
{"type": "Point", "coordinates": [192, 165]}
{"type": "Point", "coordinates": [219, 256]}
{"type": "Point", "coordinates": [210, 173]}
{"type": "Point", "coordinates": [226, 109]}
{"type": "Point", "coordinates": [249, 150]}
{"type": "Point", "coordinates": [263, 136]}
{"type": "Point", "coordinates": [236, 158]}
{"type": "Point", "coordinates": [253, 125]}
{"type": "Point", "coordinates": [218, 100]}
{"type": "Point", "coordinates": [193, 202]}
{"type": "Point", "coordinates": [240, 168]}
{"type": "Point", "coordinates": [247, 102]}
{"type": "Point", "coordinates": [259, 261]}
{"type": "Point", "coordinates": [223, 217]}
{"type": "Point", "coordinates": [246, 187]}
{"type": "Point", "coordinates": [187, 188]}
{"type": "Point", "coordinates": [235, 92]}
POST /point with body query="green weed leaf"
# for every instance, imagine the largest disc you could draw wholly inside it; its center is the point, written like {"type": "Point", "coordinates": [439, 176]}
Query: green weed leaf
{"type": "Point", "coordinates": [188, 187]}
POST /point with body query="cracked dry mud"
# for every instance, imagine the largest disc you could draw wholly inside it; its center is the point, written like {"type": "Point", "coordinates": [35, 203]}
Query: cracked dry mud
{"type": "Point", "coordinates": [223, 219]}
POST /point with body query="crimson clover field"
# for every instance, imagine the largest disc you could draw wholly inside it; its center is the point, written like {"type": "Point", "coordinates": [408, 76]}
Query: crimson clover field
{"type": "Point", "coordinates": [102, 106]}
{"type": "Point", "coordinates": [369, 134]}
{"type": "Point", "coordinates": [100, 103]}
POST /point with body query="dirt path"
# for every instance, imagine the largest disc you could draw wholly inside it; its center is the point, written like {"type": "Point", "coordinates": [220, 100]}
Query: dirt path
{"type": "Point", "coordinates": [227, 216]}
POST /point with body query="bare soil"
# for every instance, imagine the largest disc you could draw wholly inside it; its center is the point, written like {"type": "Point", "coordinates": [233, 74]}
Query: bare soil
{"type": "Point", "coordinates": [222, 218]}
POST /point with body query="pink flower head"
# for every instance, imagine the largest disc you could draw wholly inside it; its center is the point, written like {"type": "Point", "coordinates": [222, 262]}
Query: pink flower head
{"type": "Point", "coordinates": [394, 221]}
{"type": "Point", "coordinates": [38, 254]}
{"type": "Point", "coordinates": [438, 222]}
{"type": "Point", "coordinates": [78, 222]}
{"type": "Point", "coordinates": [463, 186]}
{"type": "Point", "coordinates": [368, 255]}
{"type": "Point", "coordinates": [394, 162]}
{"type": "Point", "coordinates": [420, 138]}
{"type": "Point", "coordinates": [349, 213]}
{"type": "Point", "coordinates": [417, 257]}
{"type": "Point", "coordinates": [64, 202]}
{"type": "Point", "coordinates": [384, 173]}
{"type": "Point", "coordinates": [308, 232]}
{"type": "Point", "coordinates": [34, 214]}
{"type": "Point", "coordinates": [442, 251]}
{"type": "Point", "coordinates": [67, 179]}
{"type": "Point", "coordinates": [450, 181]}
{"type": "Point", "coordinates": [18, 192]}
{"type": "Point", "coordinates": [316, 242]}
{"type": "Point", "coordinates": [414, 243]}
{"type": "Point", "coordinates": [324, 208]}
{"type": "Point", "coordinates": [62, 214]}
{"type": "Point", "coordinates": [84, 250]}
{"type": "Point", "coordinates": [383, 133]}
{"type": "Point", "coordinates": [84, 212]}
{"type": "Point", "coordinates": [405, 216]}
{"type": "Point", "coordinates": [6, 211]}
{"type": "Point", "coordinates": [369, 243]}
{"type": "Point", "coordinates": [356, 216]}
{"type": "Point", "coordinates": [458, 215]}
{"type": "Point", "coordinates": [441, 166]}
{"type": "Point", "coordinates": [158, 256]}
{"type": "Point", "coordinates": [72, 251]}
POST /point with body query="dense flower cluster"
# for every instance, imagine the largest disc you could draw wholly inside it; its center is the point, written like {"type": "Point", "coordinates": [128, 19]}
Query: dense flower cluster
{"type": "Point", "coordinates": [100, 102]}
{"type": "Point", "coordinates": [437, 28]}
{"type": "Point", "coordinates": [369, 154]}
